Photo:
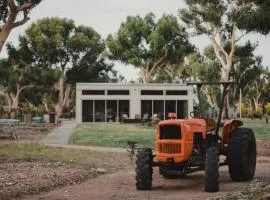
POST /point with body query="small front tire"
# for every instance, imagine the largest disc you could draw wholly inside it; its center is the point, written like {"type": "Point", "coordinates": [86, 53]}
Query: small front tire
{"type": "Point", "coordinates": [211, 169]}
{"type": "Point", "coordinates": [144, 169]}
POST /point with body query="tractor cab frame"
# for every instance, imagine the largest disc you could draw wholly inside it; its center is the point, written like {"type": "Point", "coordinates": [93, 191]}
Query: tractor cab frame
{"type": "Point", "coordinates": [185, 146]}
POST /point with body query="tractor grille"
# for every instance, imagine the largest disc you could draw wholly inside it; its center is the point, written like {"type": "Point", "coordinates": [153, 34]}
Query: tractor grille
{"type": "Point", "coordinates": [170, 148]}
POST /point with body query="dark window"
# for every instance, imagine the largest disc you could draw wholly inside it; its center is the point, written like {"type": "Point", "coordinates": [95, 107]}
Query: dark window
{"type": "Point", "coordinates": [170, 107]}
{"type": "Point", "coordinates": [146, 109]}
{"type": "Point", "coordinates": [99, 111]}
{"type": "Point", "coordinates": [93, 92]}
{"type": "Point", "coordinates": [176, 92]}
{"type": "Point", "coordinates": [151, 92]}
{"type": "Point", "coordinates": [123, 109]}
{"type": "Point", "coordinates": [182, 109]}
{"type": "Point", "coordinates": [170, 132]}
{"type": "Point", "coordinates": [118, 92]}
{"type": "Point", "coordinates": [158, 106]}
{"type": "Point", "coordinates": [87, 110]}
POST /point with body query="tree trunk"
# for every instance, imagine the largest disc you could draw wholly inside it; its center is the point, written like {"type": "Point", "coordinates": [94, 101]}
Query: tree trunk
{"type": "Point", "coordinates": [5, 31]}
{"type": "Point", "coordinates": [256, 103]}
{"type": "Point", "coordinates": [60, 99]}
{"type": "Point", "coordinates": [225, 71]}
{"type": "Point", "coordinates": [66, 100]}
{"type": "Point", "coordinates": [9, 100]}
{"type": "Point", "coordinates": [145, 76]}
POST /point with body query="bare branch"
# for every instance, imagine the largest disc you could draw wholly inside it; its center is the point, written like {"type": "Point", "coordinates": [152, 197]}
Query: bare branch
{"type": "Point", "coordinates": [23, 21]}
{"type": "Point", "coordinates": [243, 35]}
{"type": "Point", "coordinates": [25, 6]}
{"type": "Point", "coordinates": [158, 63]}
{"type": "Point", "coordinates": [217, 52]}
{"type": "Point", "coordinates": [217, 40]}
{"type": "Point", "coordinates": [12, 6]}
{"type": "Point", "coordinates": [233, 41]}
{"type": "Point", "coordinates": [24, 87]}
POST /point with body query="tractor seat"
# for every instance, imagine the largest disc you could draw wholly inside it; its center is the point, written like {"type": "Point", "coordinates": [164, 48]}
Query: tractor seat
{"type": "Point", "coordinates": [210, 124]}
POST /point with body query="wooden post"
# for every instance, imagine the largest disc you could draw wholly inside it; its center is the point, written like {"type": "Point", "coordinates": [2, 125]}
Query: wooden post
{"type": "Point", "coordinates": [240, 104]}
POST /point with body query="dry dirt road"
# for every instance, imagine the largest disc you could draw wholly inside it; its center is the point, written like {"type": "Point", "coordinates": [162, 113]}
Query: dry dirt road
{"type": "Point", "coordinates": [121, 186]}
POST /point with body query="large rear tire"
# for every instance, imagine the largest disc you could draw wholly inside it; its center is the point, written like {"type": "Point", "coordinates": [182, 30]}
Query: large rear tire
{"type": "Point", "coordinates": [144, 169]}
{"type": "Point", "coordinates": [211, 169]}
{"type": "Point", "coordinates": [242, 154]}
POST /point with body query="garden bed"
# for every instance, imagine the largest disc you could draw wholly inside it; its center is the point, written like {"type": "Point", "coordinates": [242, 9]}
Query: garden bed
{"type": "Point", "coordinates": [29, 168]}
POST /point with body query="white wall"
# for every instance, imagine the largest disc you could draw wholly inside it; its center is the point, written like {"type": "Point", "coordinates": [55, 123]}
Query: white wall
{"type": "Point", "coordinates": [134, 96]}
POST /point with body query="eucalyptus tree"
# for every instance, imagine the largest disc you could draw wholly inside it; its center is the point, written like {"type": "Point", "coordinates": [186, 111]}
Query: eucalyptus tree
{"type": "Point", "coordinates": [258, 90]}
{"type": "Point", "coordinates": [19, 73]}
{"type": "Point", "coordinates": [149, 44]}
{"type": "Point", "coordinates": [226, 22]}
{"type": "Point", "coordinates": [14, 13]}
{"type": "Point", "coordinates": [60, 44]}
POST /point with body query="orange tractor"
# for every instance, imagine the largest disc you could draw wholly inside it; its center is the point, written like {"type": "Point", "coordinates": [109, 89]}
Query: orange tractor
{"type": "Point", "coordinates": [184, 146]}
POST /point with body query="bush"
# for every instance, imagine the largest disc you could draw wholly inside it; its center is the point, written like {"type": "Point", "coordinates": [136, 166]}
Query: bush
{"type": "Point", "coordinates": [267, 108]}
{"type": "Point", "coordinates": [258, 113]}
{"type": "Point", "coordinates": [246, 112]}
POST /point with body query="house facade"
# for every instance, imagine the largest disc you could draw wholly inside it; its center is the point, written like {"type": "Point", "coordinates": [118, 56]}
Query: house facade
{"type": "Point", "coordinates": [113, 102]}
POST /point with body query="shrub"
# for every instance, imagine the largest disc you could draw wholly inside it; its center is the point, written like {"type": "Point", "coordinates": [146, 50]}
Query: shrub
{"type": "Point", "coordinates": [258, 113]}
{"type": "Point", "coordinates": [246, 111]}
{"type": "Point", "coordinates": [267, 108]}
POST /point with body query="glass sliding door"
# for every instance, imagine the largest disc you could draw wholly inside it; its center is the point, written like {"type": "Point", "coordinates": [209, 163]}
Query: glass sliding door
{"type": "Point", "coordinates": [99, 111]}
{"type": "Point", "coordinates": [123, 109]}
{"type": "Point", "coordinates": [87, 111]}
{"type": "Point", "coordinates": [111, 111]}
{"type": "Point", "coordinates": [146, 109]}
{"type": "Point", "coordinates": [158, 108]}
{"type": "Point", "coordinates": [181, 112]}
{"type": "Point", "coordinates": [170, 107]}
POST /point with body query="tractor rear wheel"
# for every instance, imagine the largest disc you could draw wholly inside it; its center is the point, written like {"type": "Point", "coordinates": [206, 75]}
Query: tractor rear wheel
{"type": "Point", "coordinates": [242, 154]}
{"type": "Point", "coordinates": [144, 169]}
{"type": "Point", "coordinates": [211, 169]}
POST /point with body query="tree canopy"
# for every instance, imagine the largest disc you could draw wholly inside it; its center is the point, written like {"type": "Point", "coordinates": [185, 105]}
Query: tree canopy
{"type": "Point", "coordinates": [224, 23]}
{"type": "Point", "coordinates": [77, 51]}
{"type": "Point", "coordinates": [254, 16]}
{"type": "Point", "coordinates": [18, 73]}
{"type": "Point", "coordinates": [149, 44]}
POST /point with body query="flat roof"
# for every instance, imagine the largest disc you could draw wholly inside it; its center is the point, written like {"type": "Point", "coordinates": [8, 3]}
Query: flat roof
{"type": "Point", "coordinates": [132, 84]}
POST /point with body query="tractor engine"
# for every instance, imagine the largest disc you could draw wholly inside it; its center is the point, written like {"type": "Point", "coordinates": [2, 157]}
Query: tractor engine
{"type": "Point", "coordinates": [179, 141]}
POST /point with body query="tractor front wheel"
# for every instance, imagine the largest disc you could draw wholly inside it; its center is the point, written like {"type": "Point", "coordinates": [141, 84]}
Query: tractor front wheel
{"type": "Point", "coordinates": [211, 169]}
{"type": "Point", "coordinates": [144, 169]}
{"type": "Point", "coordinates": [241, 156]}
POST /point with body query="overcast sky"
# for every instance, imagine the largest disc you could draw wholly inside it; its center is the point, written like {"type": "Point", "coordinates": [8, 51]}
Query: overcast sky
{"type": "Point", "coordinates": [105, 16]}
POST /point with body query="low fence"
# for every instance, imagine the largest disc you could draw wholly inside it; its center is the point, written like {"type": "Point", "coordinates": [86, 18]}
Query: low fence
{"type": "Point", "coordinates": [11, 128]}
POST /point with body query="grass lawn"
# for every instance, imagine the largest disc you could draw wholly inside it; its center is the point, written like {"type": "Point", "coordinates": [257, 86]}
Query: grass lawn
{"type": "Point", "coordinates": [113, 135]}
{"type": "Point", "coordinates": [117, 135]}
{"type": "Point", "coordinates": [33, 152]}
{"type": "Point", "coordinates": [261, 130]}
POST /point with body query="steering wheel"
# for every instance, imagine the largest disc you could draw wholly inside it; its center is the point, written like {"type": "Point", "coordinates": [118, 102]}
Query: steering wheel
{"type": "Point", "coordinates": [192, 114]}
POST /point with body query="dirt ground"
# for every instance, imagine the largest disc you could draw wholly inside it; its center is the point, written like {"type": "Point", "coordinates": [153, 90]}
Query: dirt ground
{"type": "Point", "coordinates": [263, 148]}
{"type": "Point", "coordinates": [121, 185]}
{"type": "Point", "coordinates": [19, 178]}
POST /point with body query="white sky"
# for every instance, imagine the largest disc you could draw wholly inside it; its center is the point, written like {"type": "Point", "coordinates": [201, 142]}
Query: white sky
{"type": "Point", "coordinates": [105, 16]}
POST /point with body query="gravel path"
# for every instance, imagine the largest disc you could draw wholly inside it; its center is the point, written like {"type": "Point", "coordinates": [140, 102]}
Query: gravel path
{"type": "Point", "coordinates": [61, 134]}
{"type": "Point", "coordinates": [59, 138]}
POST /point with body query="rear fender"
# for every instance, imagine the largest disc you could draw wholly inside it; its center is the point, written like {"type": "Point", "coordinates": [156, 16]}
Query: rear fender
{"type": "Point", "coordinates": [228, 129]}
